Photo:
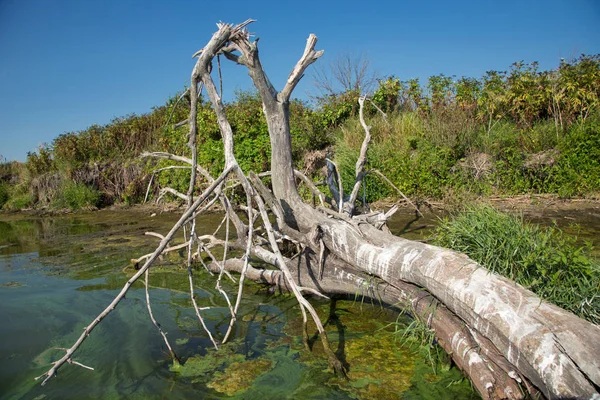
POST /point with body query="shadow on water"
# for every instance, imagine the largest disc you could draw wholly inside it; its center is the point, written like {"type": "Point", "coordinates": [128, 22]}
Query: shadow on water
{"type": "Point", "coordinates": [410, 225]}
{"type": "Point", "coordinates": [341, 332]}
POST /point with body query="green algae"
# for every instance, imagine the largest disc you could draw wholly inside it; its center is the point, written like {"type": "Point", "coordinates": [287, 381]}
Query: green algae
{"type": "Point", "coordinates": [378, 368]}
{"type": "Point", "coordinates": [226, 371]}
{"type": "Point", "coordinates": [380, 363]}
{"type": "Point", "coordinates": [239, 376]}
{"type": "Point", "coordinates": [201, 366]}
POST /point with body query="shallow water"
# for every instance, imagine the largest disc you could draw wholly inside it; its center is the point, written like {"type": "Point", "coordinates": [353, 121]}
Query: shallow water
{"type": "Point", "coordinates": [58, 273]}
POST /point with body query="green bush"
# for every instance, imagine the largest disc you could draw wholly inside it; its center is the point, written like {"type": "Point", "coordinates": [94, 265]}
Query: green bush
{"type": "Point", "coordinates": [403, 148]}
{"type": "Point", "coordinates": [77, 196]}
{"type": "Point", "coordinates": [3, 194]}
{"type": "Point", "coordinates": [544, 260]}
{"type": "Point", "coordinates": [18, 201]}
{"type": "Point", "coordinates": [423, 146]}
{"type": "Point", "coordinates": [578, 169]}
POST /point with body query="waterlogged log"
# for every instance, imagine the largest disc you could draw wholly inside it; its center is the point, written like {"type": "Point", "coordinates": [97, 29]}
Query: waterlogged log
{"type": "Point", "coordinates": [519, 336]}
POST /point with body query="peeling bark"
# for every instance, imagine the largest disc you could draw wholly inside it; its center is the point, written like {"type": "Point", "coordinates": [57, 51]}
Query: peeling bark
{"type": "Point", "coordinates": [528, 332]}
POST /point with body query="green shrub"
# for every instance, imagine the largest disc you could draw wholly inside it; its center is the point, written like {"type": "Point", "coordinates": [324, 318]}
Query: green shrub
{"type": "Point", "coordinates": [18, 201]}
{"type": "Point", "coordinates": [76, 196]}
{"type": "Point", "coordinates": [578, 169]}
{"type": "Point", "coordinates": [134, 193]}
{"type": "Point", "coordinates": [3, 195]}
{"type": "Point", "coordinates": [544, 260]}
{"type": "Point", "coordinates": [178, 179]}
{"type": "Point", "coordinates": [403, 150]}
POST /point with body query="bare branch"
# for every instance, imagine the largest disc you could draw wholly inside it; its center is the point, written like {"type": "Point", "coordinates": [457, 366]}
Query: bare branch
{"type": "Point", "coordinates": [313, 291]}
{"type": "Point", "coordinates": [309, 57]}
{"type": "Point", "coordinates": [170, 249]}
{"type": "Point", "coordinates": [70, 361]}
{"type": "Point", "coordinates": [347, 73]}
{"type": "Point", "coordinates": [156, 324]}
{"type": "Point", "coordinates": [315, 190]}
{"type": "Point", "coordinates": [148, 188]}
{"type": "Point", "coordinates": [338, 193]}
{"type": "Point", "coordinates": [362, 158]}
{"type": "Point", "coordinates": [398, 190]}
{"type": "Point", "coordinates": [384, 115]}
{"type": "Point", "coordinates": [191, 282]}
{"type": "Point", "coordinates": [174, 192]}
{"type": "Point", "coordinates": [173, 157]}
{"type": "Point", "coordinates": [192, 120]}
{"type": "Point", "coordinates": [175, 106]}
{"type": "Point", "coordinates": [163, 244]}
{"type": "Point", "coordinates": [334, 361]}
{"type": "Point", "coordinates": [310, 184]}
{"type": "Point", "coordinates": [181, 123]}
{"type": "Point", "coordinates": [246, 259]}
{"type": "Point", "coordinates": [158, 235]}
{"type": "Point", "coordinates": [160, 170]}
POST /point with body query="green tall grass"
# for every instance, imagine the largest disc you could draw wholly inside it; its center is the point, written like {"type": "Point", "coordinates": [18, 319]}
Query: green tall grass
{"type": "Point", "coordinates": [440, 156]}
{"type": "Point", "coordinates": [3, 194]}
{"type": "Point", "coordinates": [545, 260]}
{"type": "Point", "coordinates": [77, 196]}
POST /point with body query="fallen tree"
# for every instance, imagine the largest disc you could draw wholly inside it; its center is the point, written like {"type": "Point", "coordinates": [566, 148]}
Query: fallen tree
{"type": "Point", "coordinates": [508, 341]}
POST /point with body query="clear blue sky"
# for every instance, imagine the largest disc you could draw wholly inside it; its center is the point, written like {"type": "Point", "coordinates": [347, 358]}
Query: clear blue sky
{"type": "Point", "coordinates": [68, 64]}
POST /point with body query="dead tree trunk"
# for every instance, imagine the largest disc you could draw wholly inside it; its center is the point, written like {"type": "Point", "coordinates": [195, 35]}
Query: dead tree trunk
{"type": "Point", "coordinates": [555, 350]}
{"type": "Point", "coordinates": [499, 333]}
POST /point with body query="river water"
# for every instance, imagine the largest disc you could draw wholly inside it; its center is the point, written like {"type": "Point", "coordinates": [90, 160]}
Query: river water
{"type": "Point", "coordinates": [58, 273]}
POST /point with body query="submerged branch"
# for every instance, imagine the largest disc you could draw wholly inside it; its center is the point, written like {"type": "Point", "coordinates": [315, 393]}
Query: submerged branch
{"type": "Point", "coordinates": [156, 324]}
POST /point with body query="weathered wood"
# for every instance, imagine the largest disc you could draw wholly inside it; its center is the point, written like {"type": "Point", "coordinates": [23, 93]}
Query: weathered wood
{"type": "Point", "coordinates": [557, 351]}
{"type": "Point", "coordinates": [113, 304]}
{"type": "Point", "coordinates": [362, 157]}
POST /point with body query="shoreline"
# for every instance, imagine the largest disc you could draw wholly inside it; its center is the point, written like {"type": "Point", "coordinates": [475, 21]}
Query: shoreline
{"type": "Point", "coordinates": [527, 202]}
{"type": "Point", "coordinates": [524, 202]}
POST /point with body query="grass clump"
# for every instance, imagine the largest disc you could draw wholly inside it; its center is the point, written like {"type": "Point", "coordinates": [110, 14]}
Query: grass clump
{"type": "Point", "coordinates": [544, 260]}
{"type": "Point", "coordinates": [17, 199]}
{"type": "Point", "coordinates": [76, 196]}
{"type": "Point", "coordinates": [4, 196]}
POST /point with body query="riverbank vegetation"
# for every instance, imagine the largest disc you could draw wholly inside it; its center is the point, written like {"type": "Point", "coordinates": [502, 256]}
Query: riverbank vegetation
{"type": "Point", "coordinates": [521, 131]}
